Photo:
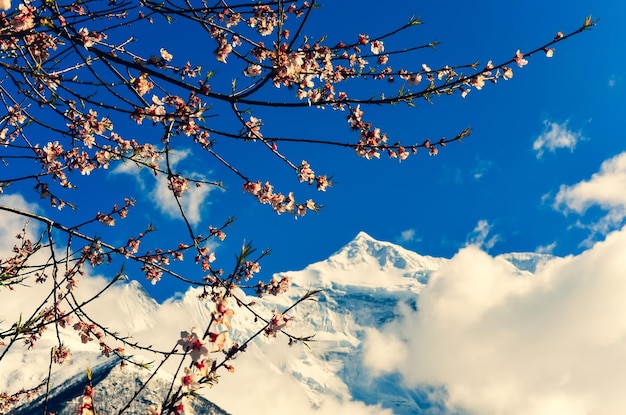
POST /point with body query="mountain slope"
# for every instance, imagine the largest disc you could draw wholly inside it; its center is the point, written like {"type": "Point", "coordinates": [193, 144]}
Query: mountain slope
{"type": "Point", "coordinates": [114, 386]}
{"type": "Point", "coordinates": [364, 286]}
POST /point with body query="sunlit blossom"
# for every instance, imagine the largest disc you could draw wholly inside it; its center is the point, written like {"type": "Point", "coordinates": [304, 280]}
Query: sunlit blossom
{"type": "Point", "coordinates": [507, 73]}
{"type": "Point", "coordinates": [165, 55]}
{"type": "Point", "coordinates": [189, 381]}
{"type": "Point", "coordinates": [254, 127]}
{"type": "Point", "coordinates": [252, 70]}
{"type": "Point", "coordinates": [193, 344]}
{"type": "Point", "coordinates": [218, 341]}
{"type": "Point", "coordinates": [377, 47]}
{"type": "Point", "coordinates": [478, 81]}
{"type": "Point", "coordinates": [519, 59]}
{"type": "Point", "coordinates": [276, 324]}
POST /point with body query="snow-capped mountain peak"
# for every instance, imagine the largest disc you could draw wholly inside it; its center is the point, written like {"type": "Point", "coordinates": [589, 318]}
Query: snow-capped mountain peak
{"type": "Point", "coordinates": [367, 262]}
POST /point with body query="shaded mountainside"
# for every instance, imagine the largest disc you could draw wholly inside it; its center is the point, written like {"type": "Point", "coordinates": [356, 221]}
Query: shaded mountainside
{"type": "Point", "coordinates": [114, 386]}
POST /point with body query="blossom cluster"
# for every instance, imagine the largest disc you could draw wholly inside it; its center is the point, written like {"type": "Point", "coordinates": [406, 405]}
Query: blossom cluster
{"type": "Point", "coordinates": [86, 406]}
{"type": "Point", "coordinates": [8, 401]}
{"type": "Point", "coordinates": [277, 323]}
{"type": "Point", "coordinates": [57, 161]}
{"type": "Point", "coordinates": [11, 267]}
{"type": "Point", "coordinates": [279, 202]}
{"type": "Point", "coordinates": [277, 285]}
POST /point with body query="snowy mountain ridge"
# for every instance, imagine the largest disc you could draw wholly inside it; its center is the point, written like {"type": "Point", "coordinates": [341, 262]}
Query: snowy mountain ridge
{"type": "Point", "coordinates": [363, 285]}
{"type": "Point", "coordinates": [369, 263]}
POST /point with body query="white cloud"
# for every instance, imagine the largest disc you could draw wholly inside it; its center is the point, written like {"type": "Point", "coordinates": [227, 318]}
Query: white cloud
{"type": "Point", "coordinates": [479, 236]}
{"type": "Point", "coordinates": [483, 167]}
{"type": "Point", "coordinates": [603, 188]}
{"type": "Point", "coordinates": [382, 353]}
{"type": "Point", "coordinates": [407, 235]}
{"type": "Point", "coordinates": [11, 224]}
{"type": "Point", "coordinates": [273, 392]}
{"type": "Point", "coordinates": [192, 201]}
{"type": "Point", "coordinates": [556, 136]}
{"type": "Point", "coordinates": [501, 341]}
{"type": "Point", "coordinates": [546, 249]}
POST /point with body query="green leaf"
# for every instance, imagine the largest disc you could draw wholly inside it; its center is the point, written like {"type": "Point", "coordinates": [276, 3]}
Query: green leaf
{"type": "Point", "coordinates": [414, 21]}
{"type": "Point", "coordinates": [401, 91]}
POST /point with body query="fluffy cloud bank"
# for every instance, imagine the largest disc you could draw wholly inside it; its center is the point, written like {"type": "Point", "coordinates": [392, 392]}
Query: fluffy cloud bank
{"type": "Point", "coordinates": [502, 341]}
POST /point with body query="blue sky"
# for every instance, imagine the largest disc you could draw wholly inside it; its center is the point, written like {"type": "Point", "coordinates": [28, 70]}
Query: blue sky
{"type": "Point", "coordinates": [503, 179]}
{"type": "Point", "coordinates": [432, 204]}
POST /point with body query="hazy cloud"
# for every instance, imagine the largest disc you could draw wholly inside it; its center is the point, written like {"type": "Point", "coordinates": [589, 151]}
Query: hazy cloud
{"type": "Point", "coordinates": [556, 136]}
{"type": "Point", "coordinates": [546, 249]}
{"type": "Point", "coordinates": [480, 235]}
{"type": "Point", "coordinates": [479, 171]}
{"type": "Point", "coordinates": [11, 224]}
{"type": "Point", "coordinates": [192, 201]}
{"type": "Point", "coordinates": [408, 235]}
{"type": "Point", "coordinates": [501, 341]}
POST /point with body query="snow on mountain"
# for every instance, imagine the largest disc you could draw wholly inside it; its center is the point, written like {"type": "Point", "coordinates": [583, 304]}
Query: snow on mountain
{"type": "Point", "coordinates": [368, 263]}
{"type": "Point", "coordinates": [527, 261]}
{"type": "Point", "coordinates": [363, 285]}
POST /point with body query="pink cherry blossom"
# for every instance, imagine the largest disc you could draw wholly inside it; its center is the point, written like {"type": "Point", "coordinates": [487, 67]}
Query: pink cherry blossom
{"type": "Point", "coordinates": [189, 381]}
{"type": "Point", "coordinates": [519, 59]}
{"type": "Point", "coordinates": [165, 55]}
{"type": "Point", "coordinates": [193, 344]}
{"type": "Point", "coordinates": [276, 324]}
{"type": "Point", "coordinates": [507, 73]}
{"type": "Point", "coordinates": [377, 47]}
